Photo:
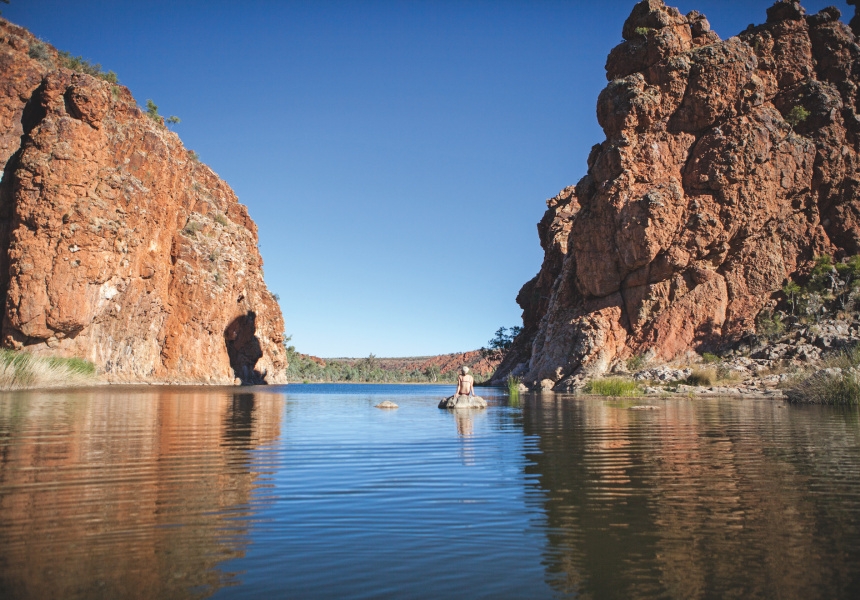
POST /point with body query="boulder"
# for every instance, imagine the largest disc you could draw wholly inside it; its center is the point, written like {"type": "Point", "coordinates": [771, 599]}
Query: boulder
{"type": "Point", "coordinates": [460, 401]}
{"type": "Point", "coordinates": [386, 404]}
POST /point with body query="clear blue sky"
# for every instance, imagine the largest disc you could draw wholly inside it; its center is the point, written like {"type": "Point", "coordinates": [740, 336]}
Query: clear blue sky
{"type": "Point", "coordinates": [365, 137]}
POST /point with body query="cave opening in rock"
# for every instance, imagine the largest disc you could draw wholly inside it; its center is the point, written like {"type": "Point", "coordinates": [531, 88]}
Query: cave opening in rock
{"type": "Point", "coordinates": [244, 349]}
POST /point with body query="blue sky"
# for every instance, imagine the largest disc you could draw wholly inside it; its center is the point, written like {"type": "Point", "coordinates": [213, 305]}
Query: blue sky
{"type": "Point", "coordinates": [396, 156]}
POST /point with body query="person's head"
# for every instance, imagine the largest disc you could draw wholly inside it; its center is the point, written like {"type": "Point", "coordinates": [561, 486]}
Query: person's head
{"type": "Point", "coordinates": [464, 370]}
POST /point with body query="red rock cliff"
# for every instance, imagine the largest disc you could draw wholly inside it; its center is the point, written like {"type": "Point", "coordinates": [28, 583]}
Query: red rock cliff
{"type": "Point", "coordinates": [703, 198]}
{"type": "Point", "coordinates": [116, 244]}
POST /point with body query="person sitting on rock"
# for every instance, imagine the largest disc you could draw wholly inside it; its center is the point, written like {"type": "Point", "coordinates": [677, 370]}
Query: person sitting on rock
{"type": "Point", "coordinates": [465, 383]}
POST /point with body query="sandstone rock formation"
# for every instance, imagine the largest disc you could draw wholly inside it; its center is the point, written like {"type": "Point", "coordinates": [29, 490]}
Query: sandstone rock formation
{"type": "Point", "coordinates": [116, 244]}
{"type": "Point", "coordinates": [703, 198]}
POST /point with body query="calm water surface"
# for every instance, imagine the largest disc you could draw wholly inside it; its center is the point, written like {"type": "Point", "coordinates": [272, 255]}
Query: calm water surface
{"type": "Point", "coordinates": [308, 491]}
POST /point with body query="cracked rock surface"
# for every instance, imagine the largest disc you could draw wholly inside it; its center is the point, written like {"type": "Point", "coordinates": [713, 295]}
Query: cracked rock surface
{"type": "Point", "coordinates": [705, 196]}
{"type": "Point", "coordinates": [116, 244]}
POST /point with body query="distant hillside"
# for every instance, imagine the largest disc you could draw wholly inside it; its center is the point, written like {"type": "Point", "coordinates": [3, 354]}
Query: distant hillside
{"type": "Point", "coordinates": [414, 369]}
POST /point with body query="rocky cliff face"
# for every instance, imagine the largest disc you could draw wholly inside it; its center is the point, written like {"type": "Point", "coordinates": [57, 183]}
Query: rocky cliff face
{"type": "Point", "coordinates": [116, 244]}
{"type": "Point", "coordinates": [711, 188]}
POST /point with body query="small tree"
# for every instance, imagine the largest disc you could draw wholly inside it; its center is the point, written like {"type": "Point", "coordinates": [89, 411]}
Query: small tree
{"type": "Point", "coordinates": [814, 306]}
{"type": "Point", "coordinates": [501, 342]}
{"type": "Point", "coordinates": [769, 324]}
{"type": "Point", "coordinates": [792, 291]}
{"type": "Point", "coordinates": [152, 110]}
{"type": "Point", "coordinates": [796, 116]}
{"type": "Point", "coordinates": [172, 119]}
{"type": "Point", "coordinates": [432, 373]}
{"type": "Point", "coordinates": [849, 280]}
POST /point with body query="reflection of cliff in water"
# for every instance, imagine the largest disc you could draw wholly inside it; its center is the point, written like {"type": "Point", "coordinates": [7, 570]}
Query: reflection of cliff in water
{"type": "Point", "coordinates": [689, 502]}
{"type": "Point", "coordinates": [126, 495]}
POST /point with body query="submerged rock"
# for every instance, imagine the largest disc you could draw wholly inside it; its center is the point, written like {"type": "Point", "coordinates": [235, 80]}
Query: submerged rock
{"type": "Point", "coordinates": [460, 401]}
{"type": "Point", "coordinates": [386, 404]}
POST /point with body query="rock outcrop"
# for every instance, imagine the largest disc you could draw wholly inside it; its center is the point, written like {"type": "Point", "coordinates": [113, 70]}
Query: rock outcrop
{"type": "Point", "coordinates": [728, 166]}
{"type": "Point", "coordinates": [116, 244]}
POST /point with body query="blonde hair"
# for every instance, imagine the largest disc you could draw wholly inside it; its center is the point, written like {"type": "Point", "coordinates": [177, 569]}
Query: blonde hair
{"type": "Point", "coordinates": [464, 370]}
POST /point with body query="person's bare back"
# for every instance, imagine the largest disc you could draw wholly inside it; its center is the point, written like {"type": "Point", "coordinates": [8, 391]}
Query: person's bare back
{"type": "Point", "coordinates": [465, 383]}
{"type": "Point", "coordinates": [465, 396]}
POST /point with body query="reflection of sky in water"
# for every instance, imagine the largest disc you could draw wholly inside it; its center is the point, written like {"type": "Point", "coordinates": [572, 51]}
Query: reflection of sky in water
{"type": "Point", "coordinates": [310, 491]}
{"type": "Point", "coordinates": [401, 503]}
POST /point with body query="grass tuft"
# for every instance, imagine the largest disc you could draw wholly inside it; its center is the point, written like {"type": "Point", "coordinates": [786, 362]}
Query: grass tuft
{"type": "Point", "coordinates": [21, 370]}
{"type": "Point", "coordinates": [825, 388]}
{"type": "Point", "coordinates": [613, 386]}
{"type": "Point", "coordinates": [703, 377]}
{"type": "Point", "coordinates": [838, 388]}
{"type": "Point", "coordinates": [710, 358]}
{"type": "Point", "coordinates": [513, 385]}
{"type": "Point", "coordinates": [191, 228]}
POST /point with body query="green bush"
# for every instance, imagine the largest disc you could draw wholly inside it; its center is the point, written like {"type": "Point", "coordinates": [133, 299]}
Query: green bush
{"type": "Point", "coordinates": [643, 31]}
{"type": "Point", "coordinates": [192, 155]}
{"type": "Point", "coordinates": [797, 115]}
{"type": "Point", "coordinates": [221, 219]}
{"type": "Point", "coordinates": [635, 362]}
{"type": "Point", "coordinates": [769, 324]}
{"type": "Point", "coordinates": [39, 51]}
{"type": "Point", "coordinates": [710, 358]}
{"type": "Point", "coordinates": [191, 228]}
{"type": "Point", "coordinates": [82, 65]}
{"type": "Point", "coordinates": [152, 111]}
{"type": "Point", "coordinates": [613, 386]}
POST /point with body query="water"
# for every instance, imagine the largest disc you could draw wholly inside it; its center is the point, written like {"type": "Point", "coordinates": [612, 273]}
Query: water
{"type": "Point", "coordinates": [308, 491]}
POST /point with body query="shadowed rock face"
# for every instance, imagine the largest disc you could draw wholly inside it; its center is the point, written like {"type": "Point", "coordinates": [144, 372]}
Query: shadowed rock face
{"type": "Point", "coordinates": [703, 199]}
{"type": "Point", "coordinates": [116, 244]}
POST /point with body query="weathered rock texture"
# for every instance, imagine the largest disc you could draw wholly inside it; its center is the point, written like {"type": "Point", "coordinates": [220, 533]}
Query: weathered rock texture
{"type": "Point", "coordinates": [460, 401]}
{"type": "Point", "coordinates": [703, 199]}
{"type": "Point", "coordinates": [116, 244]}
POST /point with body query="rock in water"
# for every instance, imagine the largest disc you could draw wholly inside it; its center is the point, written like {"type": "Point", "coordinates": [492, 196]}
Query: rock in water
{"type": "Point", "coordinates": [117, 245]}
{"type": "Point", "coordinates": [461, 401]}
{"type": "Point", "coordinates": [727, 167]}
{"type": "Point", "coordinates": [386, 404]}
